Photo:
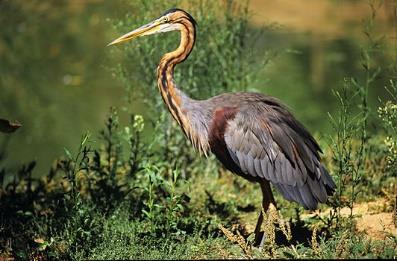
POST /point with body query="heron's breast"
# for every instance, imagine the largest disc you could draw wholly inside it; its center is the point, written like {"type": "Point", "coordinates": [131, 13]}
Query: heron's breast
{"type": "Point", "coordinates": [219, 125]}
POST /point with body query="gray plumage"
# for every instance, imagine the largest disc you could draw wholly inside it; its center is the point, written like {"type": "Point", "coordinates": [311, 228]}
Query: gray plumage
{"type": "Point", "coordinates": [266, 142]}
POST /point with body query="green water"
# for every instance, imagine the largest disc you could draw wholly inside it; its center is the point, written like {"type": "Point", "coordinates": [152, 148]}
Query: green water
{"type": "Point", "coordinates": [56, 78]}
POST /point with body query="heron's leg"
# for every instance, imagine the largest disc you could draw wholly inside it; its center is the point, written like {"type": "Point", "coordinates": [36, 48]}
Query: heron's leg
{"type": "Point", "coordinates": [257, 232]}
{"type": "Point", "coordinates": [267, 199]}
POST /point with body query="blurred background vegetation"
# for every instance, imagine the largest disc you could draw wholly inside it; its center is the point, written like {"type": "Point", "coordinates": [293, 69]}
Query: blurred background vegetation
{"type": "Point", "coordinates": [133, 187]}
{"type": "Point", "coordinates": [55, 75]}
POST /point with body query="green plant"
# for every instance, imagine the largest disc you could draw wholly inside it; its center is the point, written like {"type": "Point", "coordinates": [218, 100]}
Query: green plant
{"type": "Point", "coordinates": [388, 114]}
{"type": "Point", "coordinates": [153, 208]}
{"type": "Point", "coordinates": [174, 202]}
{"type": "Point", "coordinates": [74, 164]}
{"type": "Point", "coordinates": [350, 146]}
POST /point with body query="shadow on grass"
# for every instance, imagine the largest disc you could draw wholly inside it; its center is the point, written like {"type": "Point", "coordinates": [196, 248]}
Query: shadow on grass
{"type": "Point", "coordinates": [300, 231]}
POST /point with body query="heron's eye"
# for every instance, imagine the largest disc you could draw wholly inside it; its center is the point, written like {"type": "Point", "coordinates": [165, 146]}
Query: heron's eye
{"type": "Point", "coordinates": [165, 19]}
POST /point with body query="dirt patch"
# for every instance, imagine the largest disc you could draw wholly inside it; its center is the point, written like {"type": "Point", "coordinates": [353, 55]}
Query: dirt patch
{"type": "Point", "coordinates": [371, 217]}
{"type": "Point", "coordinates": [377, 226]}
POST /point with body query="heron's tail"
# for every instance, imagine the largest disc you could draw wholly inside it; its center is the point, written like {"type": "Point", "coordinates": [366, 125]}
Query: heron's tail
{"type": "Point", "coordinates": [316, 189]}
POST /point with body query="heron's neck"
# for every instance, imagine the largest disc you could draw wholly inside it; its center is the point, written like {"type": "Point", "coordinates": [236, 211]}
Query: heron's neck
{"type": "Point", "coordinates": [174, 98]}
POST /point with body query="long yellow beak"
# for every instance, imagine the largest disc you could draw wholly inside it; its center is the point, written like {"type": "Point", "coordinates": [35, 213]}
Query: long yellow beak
{"type": "Point", "coordinates": [147, 29]}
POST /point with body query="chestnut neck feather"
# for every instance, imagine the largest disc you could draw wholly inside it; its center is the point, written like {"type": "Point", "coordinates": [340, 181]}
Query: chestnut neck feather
{"type": "Point", "coordinates": [195, 128]}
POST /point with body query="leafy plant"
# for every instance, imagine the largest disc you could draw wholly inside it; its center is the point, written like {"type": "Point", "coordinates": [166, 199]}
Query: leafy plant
{"type": "Point", "coordinates": [351, 144]}
{"type": "Point", "coordinates": [388, 114]}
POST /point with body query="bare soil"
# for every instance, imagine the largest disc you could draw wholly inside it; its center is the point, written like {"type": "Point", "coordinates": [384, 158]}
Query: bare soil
{"type": "Point", "coordinates": [372, 218]}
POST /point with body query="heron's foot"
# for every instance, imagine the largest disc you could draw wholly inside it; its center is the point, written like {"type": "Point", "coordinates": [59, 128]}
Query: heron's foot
{"type": "Point", "coordinates": [260, 239]}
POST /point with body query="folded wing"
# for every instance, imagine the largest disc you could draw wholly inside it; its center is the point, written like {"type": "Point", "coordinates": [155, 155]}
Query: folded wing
{"type": "Point", "coordinates": [267, 142]}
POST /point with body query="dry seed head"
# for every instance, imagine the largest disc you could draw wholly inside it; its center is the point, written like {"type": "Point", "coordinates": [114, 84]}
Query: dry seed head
{"type": "Point", "coordinates": [315, 245]}
{"type": "Point", "coordinates": [236, 239]}
{"type": "Point", "coordinates": [341, 247]}
{"type": "Point", "coordinates": [285, 228]}
{"type": "Point", "coordinates": [270, 228]}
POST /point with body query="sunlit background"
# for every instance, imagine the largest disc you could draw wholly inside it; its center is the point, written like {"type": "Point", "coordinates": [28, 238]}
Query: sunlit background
{"type": "Point", "coordinates": [56, 77]}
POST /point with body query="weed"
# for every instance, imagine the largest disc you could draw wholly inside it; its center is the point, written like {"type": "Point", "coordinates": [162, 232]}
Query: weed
{"type": "Point", "coordinates": [236, 239]}
{"type": "Point", "coordinates": [351, 145]}
{"type": "Point", "coordinates": [314, 242]}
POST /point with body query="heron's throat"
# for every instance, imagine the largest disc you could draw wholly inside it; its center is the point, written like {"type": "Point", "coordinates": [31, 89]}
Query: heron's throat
{"type": "Point", "coordinates": [172, 96]}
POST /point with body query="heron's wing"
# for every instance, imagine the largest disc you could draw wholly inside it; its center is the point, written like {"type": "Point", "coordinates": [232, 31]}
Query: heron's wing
{"type": "Point", "coordinates": [269, 143]}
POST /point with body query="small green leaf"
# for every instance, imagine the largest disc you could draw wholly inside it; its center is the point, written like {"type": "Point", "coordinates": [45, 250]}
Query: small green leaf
{"type": "Point", "coordinates": [85, 138]}
{"type": "Point", "coordinates": [68, 154]}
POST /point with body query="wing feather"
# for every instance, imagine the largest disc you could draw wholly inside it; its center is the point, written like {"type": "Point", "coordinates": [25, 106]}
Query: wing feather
{"type": "Point", "coordinates": [286, 192]}
{"type": "Point", "coordinates": [249, 163]}
{"type": "Point", "coordinates": [258, 167]}
{"type": "Point", "coordinates": [271, 144]}
{"type": "Point", "coordinates": [241, 161]}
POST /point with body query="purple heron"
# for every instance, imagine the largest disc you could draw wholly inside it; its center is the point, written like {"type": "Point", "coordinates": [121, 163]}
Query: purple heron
{"type": "Point", "coordinates": [251, 134]}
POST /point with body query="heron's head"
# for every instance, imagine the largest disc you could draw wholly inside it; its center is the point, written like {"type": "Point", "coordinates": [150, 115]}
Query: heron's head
{"type": "Point", "coordinates": [171, 20]}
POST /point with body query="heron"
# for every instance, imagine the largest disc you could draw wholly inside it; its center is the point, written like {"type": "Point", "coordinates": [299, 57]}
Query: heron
{"type": "Point", "coordinates": [253, 135]}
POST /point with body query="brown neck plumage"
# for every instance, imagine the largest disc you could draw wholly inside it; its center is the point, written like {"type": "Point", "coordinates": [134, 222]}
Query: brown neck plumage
{"type": "Point", "coordinates": [171, 95]}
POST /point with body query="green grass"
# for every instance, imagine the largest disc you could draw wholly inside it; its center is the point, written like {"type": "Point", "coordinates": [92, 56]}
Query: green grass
{"type": "Point", "coordinates": [95, 207]}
